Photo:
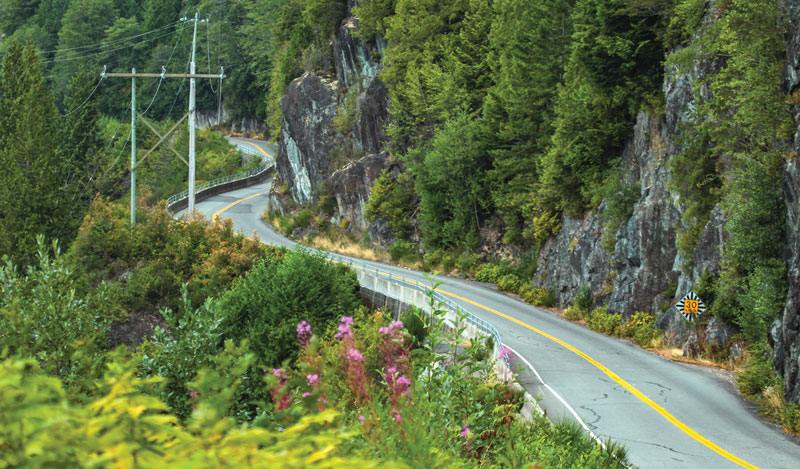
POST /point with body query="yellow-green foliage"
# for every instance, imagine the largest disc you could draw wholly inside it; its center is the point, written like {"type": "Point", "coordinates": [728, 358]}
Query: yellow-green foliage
{"type": "Point", "coordinates": [125, 428]}
{"type": "Point", "coordinates": [161, 254]}
{"type": "Point", "coordinates": [600, 320]}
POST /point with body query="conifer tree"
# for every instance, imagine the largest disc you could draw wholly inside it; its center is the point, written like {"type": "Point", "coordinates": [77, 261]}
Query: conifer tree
{"type": "Point", "coordinates": [30, 194]}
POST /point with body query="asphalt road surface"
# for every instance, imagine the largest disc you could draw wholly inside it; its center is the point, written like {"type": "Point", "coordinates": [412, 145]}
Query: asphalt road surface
{"type": "Point", "coordinates": [667, 414]}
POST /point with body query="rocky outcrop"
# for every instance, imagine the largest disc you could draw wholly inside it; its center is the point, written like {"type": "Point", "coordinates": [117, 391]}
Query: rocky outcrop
{"type": "Point", "coordinates": [645, 250]}
{"type": "Point", "coordinates": [357, 63]}
{"type": "Point", "coordinates": [785, 334]}
{"type": "Point", "coordinates": [211, 117]}
{"type": "Point", "coordinates": [573, 259]}
{"type": "Point", "coordinates": [352, 185]}
{"type": "Point", "coordinates": [373, 109]}
{"type": "Point", "coordinates": [645, 272]}
{"type": "Point", "coordinates": [310, 147]}
{"type": "Point", "coordinates": [307, 134]}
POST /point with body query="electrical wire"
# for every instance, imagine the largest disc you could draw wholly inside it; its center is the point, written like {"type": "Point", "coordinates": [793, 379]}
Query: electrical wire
{"type": "Point", "coordinates": [78, 57]}
{"type": "Point", "coordinates": [108, 43]}
{"type": "Point", "coordinates": [84, 101]}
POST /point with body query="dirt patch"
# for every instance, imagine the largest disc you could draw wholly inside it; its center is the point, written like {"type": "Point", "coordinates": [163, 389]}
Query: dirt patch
{"type": "Point", "coordinates": [135, 329]}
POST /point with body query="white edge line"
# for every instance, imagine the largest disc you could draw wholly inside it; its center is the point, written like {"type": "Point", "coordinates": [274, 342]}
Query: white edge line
{"type": "Point", "coordinates": [558, 396]}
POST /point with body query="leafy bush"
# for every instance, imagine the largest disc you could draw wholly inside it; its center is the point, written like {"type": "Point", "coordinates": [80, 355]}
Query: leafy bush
{"type": "Point", "coordinates": [266, 305]}
{"type": "Point", "coordinates": [583, 300]}
{"type": "Point", "coordinates": [42, 316]}
{"type": "Point", "coordinates": [537, 296]}
{"type": "Point", "coordinates": [758, 374]}
{"type": "Point", "coordinates": [160, 255]}
{"type": "Point", "coordinates": [600, 320]}
{"type": "Point", "coordinates": [401, 250]}
{"type": "Point", "coordinates": [509, 283]}
{"type": "Point", "coordinates": [415, 323]}
{"type": "Point", "coordinates": [491, 273]}
{"type": "Point", "coordinates": [178, 353]}
{"type": "Point", "coordinates": [641, 328]}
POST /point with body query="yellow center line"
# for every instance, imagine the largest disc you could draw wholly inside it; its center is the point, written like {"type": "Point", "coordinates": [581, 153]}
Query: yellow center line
{"type": "Point", "coordinates": [259, 148]}
{"type": "Point", "coordinates": [640, 395]}
{"type": "Point", "coordinates": [215, 217]}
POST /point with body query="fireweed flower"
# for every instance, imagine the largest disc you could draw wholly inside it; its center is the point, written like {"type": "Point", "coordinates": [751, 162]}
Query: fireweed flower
{"type": "Point", "coordinates": [345, 331]}
{"type": "Point", "coordinates": [396, 416]}
{"type": "Point", "coordinates": [280, 394]}
{"type": "Point", "coordinates": [304, 333]}
{"type": "Point", "coordinates": [313, 379]}
{"type": "Point", "coordinates": [353, 363]}
{"type": "Point", "coordinates": [361, 419]}
{"type": "Point", "coordinates": [465, 432]}
{"type": "Point", "coordinates": [505, 354]}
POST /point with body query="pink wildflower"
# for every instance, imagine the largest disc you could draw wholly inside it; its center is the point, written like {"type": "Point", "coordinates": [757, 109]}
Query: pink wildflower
{"type": "Point", "coordinates": [397, 325]}
{"type": "Point", "coordinates": [345, 331]}
{"type": "Point", "coordinates": [361, 419]}
{"type": "Point", "coordinates": [280, 395]}
{"type": "Point", "coordinates": [354, 355]}
{"type": "Point", "coordinates": [304, 332]}
{"type": "Point", "coordinates": [404, 381]}
{"type": "Point", "coordinates": [505, 354]}
{"type": "Point", "coordinates": [306, 394]}
{"type": "Point", "coordinates": [465, 432]}
{"type": "Point", "coordinates": [313, 379]}
{"type": "Point", "coordinates": [396, 416]}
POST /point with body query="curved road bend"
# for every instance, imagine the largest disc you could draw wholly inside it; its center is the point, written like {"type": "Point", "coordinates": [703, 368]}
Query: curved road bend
{"type": "Point", "coordinates": [667, 414]}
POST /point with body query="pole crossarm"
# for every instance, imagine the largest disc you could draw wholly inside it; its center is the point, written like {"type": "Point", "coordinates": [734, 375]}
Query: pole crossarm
{"type": "Point", "coordinates": [165, 75]}
{"type": "Point", "coordinates": [164, 137]}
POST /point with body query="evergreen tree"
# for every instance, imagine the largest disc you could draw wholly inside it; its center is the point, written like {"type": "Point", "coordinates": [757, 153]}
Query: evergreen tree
{"type": "Point", "coordinates": [614, 68]}
{"type": "Point", "coordinates": [530, 42]}
{"type": "Point", "coordinates": [30, 196]}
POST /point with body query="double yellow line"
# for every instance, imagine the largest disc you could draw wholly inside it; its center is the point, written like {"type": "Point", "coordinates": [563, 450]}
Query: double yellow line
{"type": "Point", "coordinates": [640, 395]}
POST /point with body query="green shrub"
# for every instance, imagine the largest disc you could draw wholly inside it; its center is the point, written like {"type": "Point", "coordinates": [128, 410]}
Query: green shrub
{"type": "Point", "coordinates": [574, 313]}
{"type": "Point", "coordinates": [179, 352]}
{"type": "Point", "coordinates": [266, 305]}
{"type": "Point", "coordinates": [641, 328]}
{"type": "Point", "coordinates": [537, 296]}
{"type": "Point", "coordinates": [415, 323]}
{"type": "Point", "coordinates": [304, 218]}
{"type": "Point", "coordinates": [491, 273]}
{"type": "Point", "coordinates": [601, 321]}
{"type": "Point", "coordinates": [758, 374]}
{"type": "Point", "coordinates": [401, 250]}
{"type": "Point", "coordinates": [510, 283]}
{"type": "Point", "coordinates": [583, 300]}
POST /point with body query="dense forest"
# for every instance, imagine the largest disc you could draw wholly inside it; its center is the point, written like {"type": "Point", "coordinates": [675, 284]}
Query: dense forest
{"type": "Point", "coordinates": [507, 119]}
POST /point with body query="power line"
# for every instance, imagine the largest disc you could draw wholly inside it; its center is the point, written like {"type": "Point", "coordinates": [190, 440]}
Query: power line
{"type": "Point", "coordinates": [115, 41]}
{"type": "Point", "coordinates": [84, 101]}
{"type": "Point", "coordinates": [78, 57]}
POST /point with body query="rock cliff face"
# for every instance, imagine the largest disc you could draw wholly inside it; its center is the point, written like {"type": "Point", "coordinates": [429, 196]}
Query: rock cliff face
{"type": "Point", "coordinates": [785, 335]}
{"type": "Point", "coordinates": [645, 271]}
{"type": "Point", "coordinates": [307, 134]}
{"type": "Point", "coordinates": [310, 147]}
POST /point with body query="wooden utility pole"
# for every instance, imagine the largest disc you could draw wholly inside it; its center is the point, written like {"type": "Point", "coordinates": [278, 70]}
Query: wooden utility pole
{"type": "Point", "coordinates": [191, 114]}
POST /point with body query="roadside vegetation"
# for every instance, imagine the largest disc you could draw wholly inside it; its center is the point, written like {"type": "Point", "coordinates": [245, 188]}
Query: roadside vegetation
{"type": "Point", "coordinates": [260, 356]}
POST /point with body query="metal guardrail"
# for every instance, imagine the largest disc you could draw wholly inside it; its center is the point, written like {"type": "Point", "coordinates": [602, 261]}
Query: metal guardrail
{"type": "Point", "coordinates": [224, 180]}
{"type": "Point", "coordinates": [483, 326]}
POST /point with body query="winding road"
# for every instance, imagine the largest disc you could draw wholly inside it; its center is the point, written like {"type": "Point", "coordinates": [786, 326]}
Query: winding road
{"type": "Point", "coordinates": [667, 414]}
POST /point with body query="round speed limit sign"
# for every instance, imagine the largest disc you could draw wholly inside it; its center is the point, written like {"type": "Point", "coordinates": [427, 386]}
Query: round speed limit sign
{"type": "Point", "coordinates": [690, 306]}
